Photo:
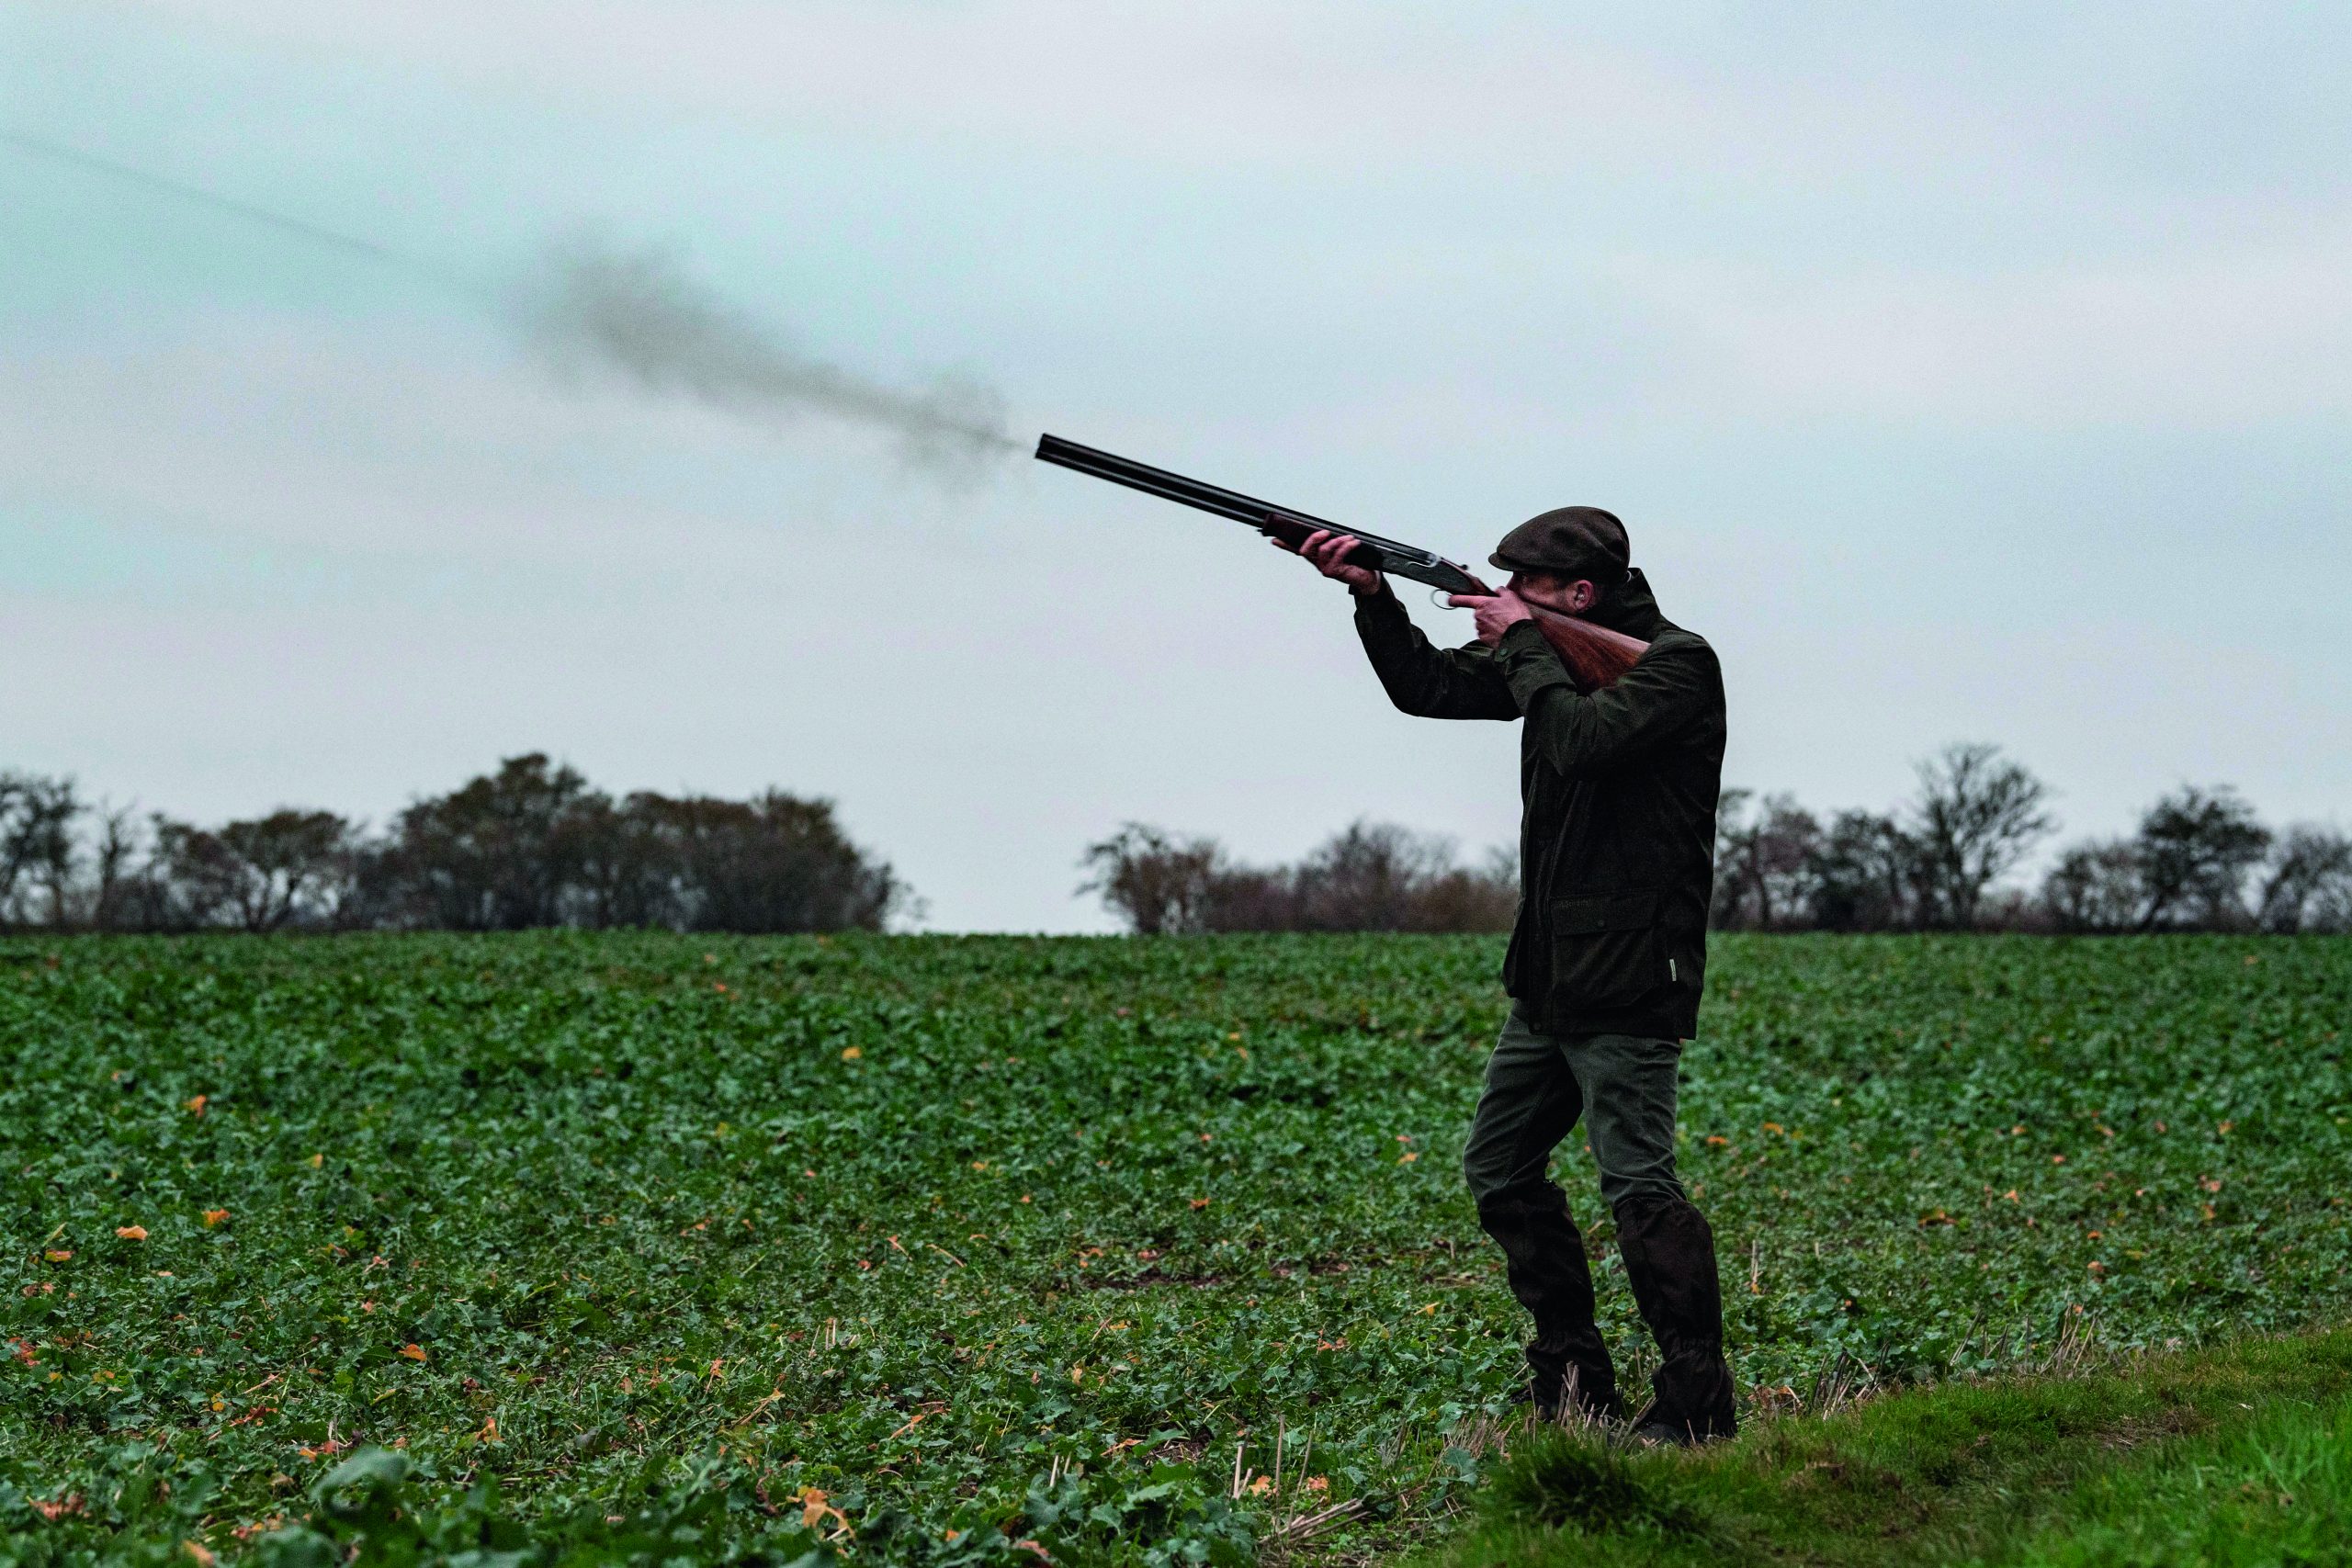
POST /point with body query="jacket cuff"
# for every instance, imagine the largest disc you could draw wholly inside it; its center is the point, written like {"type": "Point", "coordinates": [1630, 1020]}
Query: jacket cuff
{"type": "Point", "coordinates": [1378, 607]}
{"type": "Point", "coordinates": [1529, 666]}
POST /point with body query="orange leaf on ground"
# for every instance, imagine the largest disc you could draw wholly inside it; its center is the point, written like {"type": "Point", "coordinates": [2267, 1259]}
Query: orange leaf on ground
{"type": "Point", "coordinates": [413, 1352]}
{"type": "Point", "coordinates": [214, 1216]}
{"type": "Point", "coordinates": [131, 1233]}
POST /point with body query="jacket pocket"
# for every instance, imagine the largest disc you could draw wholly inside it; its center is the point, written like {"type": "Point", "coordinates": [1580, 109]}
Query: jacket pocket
{"type": "Point", "coordinates": [1606, 950]}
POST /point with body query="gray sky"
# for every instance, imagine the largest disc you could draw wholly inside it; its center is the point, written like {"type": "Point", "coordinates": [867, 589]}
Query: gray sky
{"type": "Point", "coordinates": [1972, 373]}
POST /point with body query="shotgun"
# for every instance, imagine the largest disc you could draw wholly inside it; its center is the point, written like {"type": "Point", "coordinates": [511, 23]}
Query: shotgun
{"type": "Point", "coordinates": [1595, 656]}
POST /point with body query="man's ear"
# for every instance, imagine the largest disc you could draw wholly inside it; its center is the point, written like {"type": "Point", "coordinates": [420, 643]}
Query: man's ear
{"type": "Point", "coordinates": [1582, 595]}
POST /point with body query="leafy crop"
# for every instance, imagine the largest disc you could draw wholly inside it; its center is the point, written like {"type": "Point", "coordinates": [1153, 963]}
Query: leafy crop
{"type": "Point", "coordinates": [639, 1247]}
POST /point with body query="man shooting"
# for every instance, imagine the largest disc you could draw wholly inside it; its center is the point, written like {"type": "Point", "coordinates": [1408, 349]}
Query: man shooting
{"type": "Point", "coordinates": [1618, 785]}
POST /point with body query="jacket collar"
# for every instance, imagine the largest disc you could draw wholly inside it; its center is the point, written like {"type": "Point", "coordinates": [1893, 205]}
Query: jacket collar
{"type": "Point", "coordinates": [1633, 609]}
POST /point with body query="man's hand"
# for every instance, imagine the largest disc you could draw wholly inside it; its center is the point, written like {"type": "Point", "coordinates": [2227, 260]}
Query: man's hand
{"type": "Point", "coordinates": [1496, 615]}
{"type": "Point", "coordinates": [1328, 553]}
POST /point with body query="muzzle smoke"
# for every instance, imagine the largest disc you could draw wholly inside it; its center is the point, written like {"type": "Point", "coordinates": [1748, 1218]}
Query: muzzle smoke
{"type": "Point", "coordinates": [637, 316]}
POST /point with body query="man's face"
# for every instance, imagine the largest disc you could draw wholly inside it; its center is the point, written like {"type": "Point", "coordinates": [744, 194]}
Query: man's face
{"type": "Point", "coordinates": [1570, 596]}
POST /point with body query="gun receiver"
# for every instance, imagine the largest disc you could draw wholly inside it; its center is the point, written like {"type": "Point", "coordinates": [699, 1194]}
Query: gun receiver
{"type": "Point", "coordinates": [1595, 656]}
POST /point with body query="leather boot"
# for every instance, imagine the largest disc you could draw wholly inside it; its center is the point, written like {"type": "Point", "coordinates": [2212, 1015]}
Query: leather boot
{"type": "Point", "coordinates": [1544, 1261]}
{"type": "Point", "coordinates": [1669, 1255]}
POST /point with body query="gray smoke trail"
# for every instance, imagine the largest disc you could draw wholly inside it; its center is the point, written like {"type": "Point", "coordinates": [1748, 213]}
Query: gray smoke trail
{"type": "Point", "coordinates": [638, 315]}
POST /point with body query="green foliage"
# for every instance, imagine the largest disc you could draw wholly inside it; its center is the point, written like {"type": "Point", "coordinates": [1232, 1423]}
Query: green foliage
{"type": "Point", "coordinates": [2236, 1457]}
{"type": "Point", "coordinates": [1588, 1483]}
{"type": "Point", "coordinates": [2268, 1491]}
{"type": "Point", "coordinates": [762, 1247]}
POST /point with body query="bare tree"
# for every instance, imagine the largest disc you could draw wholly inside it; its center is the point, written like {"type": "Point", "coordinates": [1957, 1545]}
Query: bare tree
{"type": "Point", "coordinates": [1251, 899]}
{"type": "Point", "coordinates": [38, 851]}
{"type": "Point", "coordinates": [1157, 882]}
{"type": "Point", "coordinates": [284, 865]}
{"type": "Point", "coordinates": [1369, 877]}
{"type": "Point", "coordinates": [2196, 849]}
{"type": "Point", "coordinates": [2308, 882]}
{"type": "Point", "coordinates": [1863, 874]}
{"type": "Point", "coordinates": [1473, 899]}
{"type": "Point", "coordinates": [1765, 861]}
{"type": "Point", "coordinates": [1976, 816]}
{"type": "Point", "coordinates": [192, 878]}
{"type": "Point", "coordinates": [1380, 876]}
{"type": "Point", "coordinates": [15, 843]}
{"type": "Point", "coordinates": [2095, 887]}
{"type": "Point", "coordinates": [112, 905]}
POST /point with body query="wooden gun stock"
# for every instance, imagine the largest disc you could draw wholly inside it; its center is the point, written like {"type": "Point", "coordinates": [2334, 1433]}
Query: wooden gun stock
{"type": "Point", "coordinates": [1595, 657]}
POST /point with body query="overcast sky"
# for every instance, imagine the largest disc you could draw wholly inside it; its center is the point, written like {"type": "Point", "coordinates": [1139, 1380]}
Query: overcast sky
{"type": "Point", "coordinates": [1960, 372]}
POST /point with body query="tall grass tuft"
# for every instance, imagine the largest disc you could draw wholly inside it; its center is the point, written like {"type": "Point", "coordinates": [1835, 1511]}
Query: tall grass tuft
{"type": "Point", "coordinates": [1568, 1479]}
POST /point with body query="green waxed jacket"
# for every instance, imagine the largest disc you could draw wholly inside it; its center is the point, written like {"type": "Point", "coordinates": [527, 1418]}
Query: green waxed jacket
{"type": "Point", "coordinates": [1617, 789]}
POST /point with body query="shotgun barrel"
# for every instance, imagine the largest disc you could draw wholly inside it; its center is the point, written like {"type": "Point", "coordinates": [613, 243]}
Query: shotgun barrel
{"type": "Point", "coordinates": [1595, 656]}
{"type": "Point", "coordinates": [1390, 556]}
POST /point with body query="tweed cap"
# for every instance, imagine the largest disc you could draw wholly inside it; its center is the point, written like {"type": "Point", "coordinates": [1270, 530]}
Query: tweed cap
{"type": "Point", "coordinates": [1574, 541]}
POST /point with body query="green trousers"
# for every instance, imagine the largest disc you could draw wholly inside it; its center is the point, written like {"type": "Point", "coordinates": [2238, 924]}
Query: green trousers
{"type": "Point", "coordinates": [1539, 1086]}
{"type": "Point", "coordinates": [1620, 1088]}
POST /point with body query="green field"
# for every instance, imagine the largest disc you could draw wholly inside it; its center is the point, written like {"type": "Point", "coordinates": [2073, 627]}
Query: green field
{"type": "Point", "coordinates": [629, 1247]}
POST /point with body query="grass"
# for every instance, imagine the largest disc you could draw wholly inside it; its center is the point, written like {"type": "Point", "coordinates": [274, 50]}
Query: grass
{"type": "Point", "coordinates": [2236, 1457]}
{"type": "Point", "coordinates": [621, 1247]}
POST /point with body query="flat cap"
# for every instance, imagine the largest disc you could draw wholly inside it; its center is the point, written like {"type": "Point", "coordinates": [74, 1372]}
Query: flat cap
{"type": "Point", "coordinates": [1574, 541]}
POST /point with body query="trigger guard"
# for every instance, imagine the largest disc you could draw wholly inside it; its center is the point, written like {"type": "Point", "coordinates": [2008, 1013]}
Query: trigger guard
{"type": "Point", "coordinates": [1438, 596]}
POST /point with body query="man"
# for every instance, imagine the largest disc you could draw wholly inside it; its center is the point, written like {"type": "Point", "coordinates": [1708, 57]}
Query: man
{"type": "Point", "coordinates": [1618, 790]}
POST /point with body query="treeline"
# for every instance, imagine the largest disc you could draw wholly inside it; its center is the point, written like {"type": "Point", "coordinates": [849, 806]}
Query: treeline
{"type": "Point", "coordinates": [529, 845]}
{"type": "Point", "coordinates": [1943, 860]}
{"type": "Point", "coordinates": [534, 844]}
{"type": "Point", "coordinates": [2199, 860]}
{"type": "Point", "coordinates": [1369, 877]}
